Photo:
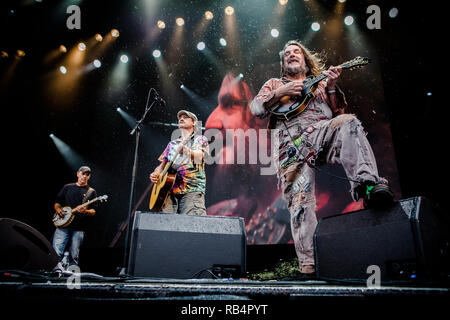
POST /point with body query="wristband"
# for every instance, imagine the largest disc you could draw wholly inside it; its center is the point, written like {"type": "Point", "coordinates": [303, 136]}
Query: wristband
{"type": "Point", "coordinates": [331, 91]}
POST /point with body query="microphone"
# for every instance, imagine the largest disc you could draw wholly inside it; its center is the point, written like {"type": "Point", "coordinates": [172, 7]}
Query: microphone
{"type": "Point", "coordinates": [159, 99]}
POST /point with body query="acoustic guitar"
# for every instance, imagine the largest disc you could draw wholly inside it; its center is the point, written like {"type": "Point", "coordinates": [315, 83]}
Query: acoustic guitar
{"type": "Point", "coordinates": [285, 109]}
{"type": "Point", "coordinates": [69, 213]}
{"type": "Point", "coordinates": [161, 189]}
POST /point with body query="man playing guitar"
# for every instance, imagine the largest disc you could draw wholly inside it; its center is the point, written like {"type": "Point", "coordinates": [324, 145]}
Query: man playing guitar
{"type": "Point", "coordinates": [186, 158]}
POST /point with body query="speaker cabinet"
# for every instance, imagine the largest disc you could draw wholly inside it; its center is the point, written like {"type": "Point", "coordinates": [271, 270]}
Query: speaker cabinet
{"type": "Point", "coordinates": [186, 246]}
{"type": "Point", "coordinates": [406, 241]}
{"type": "Point", "coordinates": [23, 247]}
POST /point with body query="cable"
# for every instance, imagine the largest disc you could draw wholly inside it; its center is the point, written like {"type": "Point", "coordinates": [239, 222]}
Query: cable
{"type": "Point", "coordinates": [310, 164]}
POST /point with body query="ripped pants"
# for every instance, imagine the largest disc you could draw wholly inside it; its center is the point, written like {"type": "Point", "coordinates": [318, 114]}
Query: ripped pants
{"type": "Point", "coordinates": [339, 140]}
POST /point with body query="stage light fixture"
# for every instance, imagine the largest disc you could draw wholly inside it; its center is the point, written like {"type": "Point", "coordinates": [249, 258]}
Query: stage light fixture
{"type": "Point", "coordinates": [20, 53]}
{"type": "Point", "coordinates": [124, 58]}
{"type": "Point", "coordinates": [81, 46]}
{"type": "Point", "coordinates": [342, 1]}
{"type": "Point", "coordinates": [4, 54]}
{"type": "Point", "coordinates": [180, 21]}
{"type": "Point", "coordinates": [209, 15]}
{"type": "Point", "coordinates": [315, 26]}
{"type": "Point", "coordinates": [283, 2]}
{"type": "Point", "coordinates": [62, 69]}
{"type": "Point", "coordinates": [229, 10]}
{"type": "Point", "coordinates": [223, 42]}
{"type": "Point", "coordinates": [201, 45]}
{"type": "Point", "coordinates": [393, 13]}
{"type": "Point", "coordinates": [115, 33]}
{"type": "Point", "coordinates": [62, 49]}
{"type": "Point", "coordinates": [274, 33]}
{"type": "Point", "coordinates": [182, 86]}
{"type": "Point", "coordinates": [98, 37]}
{"type": "Point", "coordinates": [161, 24]}
{"type": "Point", "coordinates": [97, 63]}
{"type": "Point", "coordinates": [156, 53]}
{"type": "Point", "coordinates": [349, 20]}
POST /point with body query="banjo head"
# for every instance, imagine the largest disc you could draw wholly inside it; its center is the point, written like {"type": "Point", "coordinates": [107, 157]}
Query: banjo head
{"type": "Point", "coordinates": [63, 221]}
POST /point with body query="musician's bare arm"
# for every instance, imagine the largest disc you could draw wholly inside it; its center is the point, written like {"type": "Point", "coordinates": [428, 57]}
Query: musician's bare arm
{"type": "Point", "coordinates": [58, 209]}
{"type": "Point", "coordinates": [88, 212]}
{"type": "Point", "coordinates": [333, 74]}
{"type": "Point", "coordinates": [154, 176]}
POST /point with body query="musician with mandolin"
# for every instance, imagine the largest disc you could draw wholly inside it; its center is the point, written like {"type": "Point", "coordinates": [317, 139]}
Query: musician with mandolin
{"type": "Point", "coordinates": [306, 109]}
{"type": "Point", "coordinates": [179, 182]}
{"type": "Point", "coordinates": [72, 213]}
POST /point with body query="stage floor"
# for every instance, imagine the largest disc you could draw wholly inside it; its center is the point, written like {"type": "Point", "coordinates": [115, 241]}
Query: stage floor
{"type": "Point", "coordinates": [92, 287]}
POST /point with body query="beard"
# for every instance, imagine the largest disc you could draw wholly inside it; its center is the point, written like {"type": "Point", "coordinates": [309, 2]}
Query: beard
{"type": "Point", "coordinates": [297, 70]}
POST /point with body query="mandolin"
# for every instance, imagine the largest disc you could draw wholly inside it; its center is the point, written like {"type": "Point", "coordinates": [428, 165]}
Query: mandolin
{"type": "Point", "coordinates": [286, 109]}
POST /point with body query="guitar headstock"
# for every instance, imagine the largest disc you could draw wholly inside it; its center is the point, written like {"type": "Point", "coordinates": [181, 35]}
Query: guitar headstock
{"type": "Point", "coordinates": [102, 198]}
{"type": "Point", "coordinates": [357, 62]}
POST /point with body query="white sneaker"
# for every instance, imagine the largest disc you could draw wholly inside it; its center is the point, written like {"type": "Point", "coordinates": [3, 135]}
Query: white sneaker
{"type": "Point", "coordinates": [59, 267]}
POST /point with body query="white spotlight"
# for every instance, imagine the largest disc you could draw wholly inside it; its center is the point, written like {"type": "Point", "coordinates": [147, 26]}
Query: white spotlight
{"type": "Point", "coordinates": [63, 70]}
{"type": "Point", "coordinates": [156, 53]}
{"type": "Point", "coordinates": [97, 63]}
{"type": "Point", "coordinates": [349, 20]}
{"type": "Point", "coordinates": [393, 12]}
{"type": "Point", "coordinates": [124, 58]}
{"type": "Point", "coordinates": [223, 42]}
{"type": "Point", "coordinates": [315, 26]}
{"type": "Point", "coordinates": [201, 45]}
{"type": "Point", "coordinates": [81, 46]}
{"type": "Point", "coordinates": [274, 33]}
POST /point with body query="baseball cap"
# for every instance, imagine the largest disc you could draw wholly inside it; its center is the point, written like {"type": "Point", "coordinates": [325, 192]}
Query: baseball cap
{"type": "Point", "coordinates": [84, 169]}
{"type": "Point", "coordinates": [189, 114]}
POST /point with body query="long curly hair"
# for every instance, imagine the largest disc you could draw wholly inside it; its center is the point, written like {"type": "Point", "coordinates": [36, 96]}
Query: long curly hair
{"type": "Point", "coordinates": [313, 60]}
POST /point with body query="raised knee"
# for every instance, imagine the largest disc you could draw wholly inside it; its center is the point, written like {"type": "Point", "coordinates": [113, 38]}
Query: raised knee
{"type": "Point", "coordinates": [345, 119]}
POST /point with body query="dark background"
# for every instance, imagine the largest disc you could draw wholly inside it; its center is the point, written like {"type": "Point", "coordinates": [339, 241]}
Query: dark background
{"type": "Point", "coordinates": [408, 62]}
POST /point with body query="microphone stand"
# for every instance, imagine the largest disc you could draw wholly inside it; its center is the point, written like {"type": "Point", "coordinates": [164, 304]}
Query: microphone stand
{"type": "Point", "coordinates": [137, 130]}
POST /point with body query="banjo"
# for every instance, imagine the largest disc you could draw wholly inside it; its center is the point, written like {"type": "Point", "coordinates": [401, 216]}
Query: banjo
{"type": "Point", "coordinates": [69, 215]}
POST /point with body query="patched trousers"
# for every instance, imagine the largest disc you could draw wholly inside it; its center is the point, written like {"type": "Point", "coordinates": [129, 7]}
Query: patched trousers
{"type": "Point", "coordinates": [339, 140]}
{"type": "Point", "coordinates": [188, 203]}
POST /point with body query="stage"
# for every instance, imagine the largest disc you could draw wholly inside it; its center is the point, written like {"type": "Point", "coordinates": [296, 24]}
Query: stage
{"type": "Point", "coordinates": [228, 297]}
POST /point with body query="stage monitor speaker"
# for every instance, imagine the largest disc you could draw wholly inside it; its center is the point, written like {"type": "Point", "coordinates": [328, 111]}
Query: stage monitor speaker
{"type": "Point", "coordinates": [24, 248]}
{"type": "Point", "coordinates": [186, 246]}
{"type": "Point", "coordinates": [409, 240]}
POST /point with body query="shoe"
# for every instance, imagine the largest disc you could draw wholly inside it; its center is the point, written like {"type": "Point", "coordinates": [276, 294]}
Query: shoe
{"type": "Point", "coordinates": [59, 268]}
{"type": "Point", "coordinates": [378, 196]}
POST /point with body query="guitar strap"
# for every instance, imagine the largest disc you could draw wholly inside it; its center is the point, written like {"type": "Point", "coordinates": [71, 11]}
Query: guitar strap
{"type": "Point", "coordinates": [87, 195]}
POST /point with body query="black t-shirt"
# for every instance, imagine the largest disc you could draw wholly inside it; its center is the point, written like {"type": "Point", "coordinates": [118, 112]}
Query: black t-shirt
{"type": "Point", "coordinates": [72, 195]}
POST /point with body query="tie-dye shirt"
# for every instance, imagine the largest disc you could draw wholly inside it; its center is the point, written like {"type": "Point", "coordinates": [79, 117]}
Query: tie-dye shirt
{"type": "Point", "coordinates": [191, 175]}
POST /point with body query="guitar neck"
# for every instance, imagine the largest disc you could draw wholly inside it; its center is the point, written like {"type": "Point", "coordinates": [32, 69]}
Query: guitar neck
{"type": "Point", "coordinates": [85, 204]}
{"type": "Point", "coordinates": [322, 76]}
